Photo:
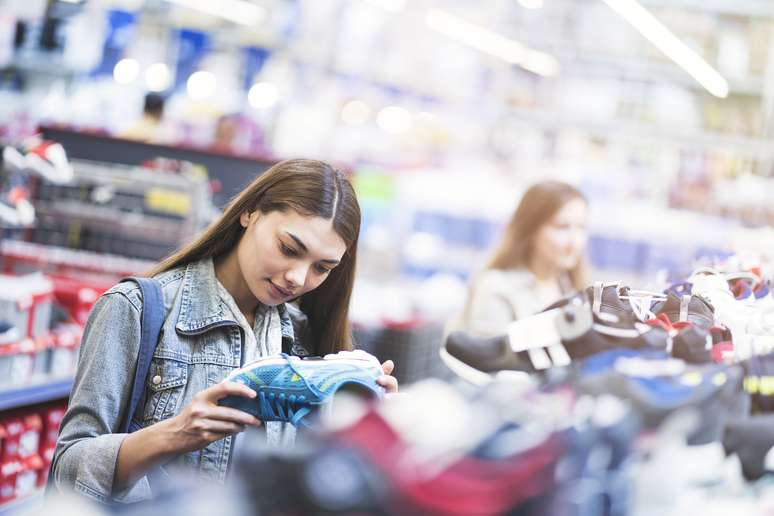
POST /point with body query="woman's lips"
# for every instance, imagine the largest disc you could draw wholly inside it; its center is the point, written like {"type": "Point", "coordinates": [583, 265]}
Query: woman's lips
{"type": "Point", "coordinates": [279, 291]}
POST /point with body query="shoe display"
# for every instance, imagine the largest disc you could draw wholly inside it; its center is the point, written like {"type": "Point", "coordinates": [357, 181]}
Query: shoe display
{"type": "Point", "coordinates": [40, 157]}
{"type": "Point", "coordinates": [658, 387]}
{"type": "Point", "coordinates": [289, 388]}
{"type": "Point", "coordinates": [532, 344]}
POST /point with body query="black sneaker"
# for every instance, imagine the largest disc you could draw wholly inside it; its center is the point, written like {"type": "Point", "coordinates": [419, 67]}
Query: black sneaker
{"type": "Point", "coordinates": [545, 341]}
{"type": "Point", "coordinates": [605, 300]}
{"type": "Point", "coordinates": [478, 359]}
{"type": "Point", "coordinates": [688, 308]}
{"type": "Point", "coordinates": [752, 439]}
{"type": "Point", "coordinates": [693, 344]}
{"type": "Point", "coordinates": [602, 337]}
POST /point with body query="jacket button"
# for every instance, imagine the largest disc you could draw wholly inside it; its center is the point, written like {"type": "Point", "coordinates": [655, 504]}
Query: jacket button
{"type": "Point", "coordinates": [156, 380]}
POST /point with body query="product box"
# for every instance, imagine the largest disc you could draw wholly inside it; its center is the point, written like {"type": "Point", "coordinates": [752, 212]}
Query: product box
{"type": "Point", "coordinates": [77, 295]}
{"type": "Point", "coordinates": [20, 460]}
{"type": "Point", "coordinates": [64, 352]}
{"type": "Point", "coordinates": [25, 302]}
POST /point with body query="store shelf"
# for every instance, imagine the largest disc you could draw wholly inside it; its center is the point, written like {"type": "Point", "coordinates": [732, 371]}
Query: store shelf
{"type": "Point", "coordinates": [23, 506]}
{"type": "Point", "coordinates": [15, 397]}
{"type": "Point", "coordinates": [641, 132]}
{"type": "Point", "coordinates": [72, 258]}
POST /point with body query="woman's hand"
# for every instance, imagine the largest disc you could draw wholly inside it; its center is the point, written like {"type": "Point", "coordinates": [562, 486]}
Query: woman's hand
{"type": "Point", "coordinates": [390, 383]}
{"type": "Point", "coordinates": [203, 421]}
{"type": "Point", "coordinates": [199, 423]}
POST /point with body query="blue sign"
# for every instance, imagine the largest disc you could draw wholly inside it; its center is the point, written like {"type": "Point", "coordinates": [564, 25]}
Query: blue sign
{"type": "Point", "coordinates": [255, 58]}
{"type": "Point", "coordinates": [192, 46]}
{"type": "Point", "coordinates": [121, 29]}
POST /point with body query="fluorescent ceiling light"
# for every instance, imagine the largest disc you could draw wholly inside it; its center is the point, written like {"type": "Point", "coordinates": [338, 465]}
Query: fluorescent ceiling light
{"type": "Point", "coordinates": [126, 70]}
{"type": "Point", "coordinates": [490, 42]}
{"type": "Point", "coordinates": [531, 4]}
{"type": "Point", "coordinates": [263, 95]}
{"type": "Point", "coordinates": [658, 34]}
{"type": "Point", "coordinates": [158, 77]}
{"type": "Point", "coordinates": [236, 11]}
{"type": "Point", "coordinates": [394, 119]}
{"type": "Point", "coordinates": [201, 85]}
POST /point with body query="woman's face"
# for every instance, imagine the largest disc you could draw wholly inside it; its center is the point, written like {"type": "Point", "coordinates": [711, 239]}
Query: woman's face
{"type": "Point", "coordinates": [283, 255]}
{"type": "Point", "coordinates": [560, 243]}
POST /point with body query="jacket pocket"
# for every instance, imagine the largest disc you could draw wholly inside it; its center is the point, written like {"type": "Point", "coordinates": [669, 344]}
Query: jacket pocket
{"type": "Point", "coordinates": [165, 385]}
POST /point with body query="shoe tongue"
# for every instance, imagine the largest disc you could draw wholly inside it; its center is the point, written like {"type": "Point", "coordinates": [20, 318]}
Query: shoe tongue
{"type": "Point", "coordinates": [670, 305]}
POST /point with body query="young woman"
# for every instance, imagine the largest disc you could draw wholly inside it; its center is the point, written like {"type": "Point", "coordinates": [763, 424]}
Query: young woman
{"type": "Point", "coordinates": [290, 235]}
{"type": "Point", "coordinates": [540, 258]}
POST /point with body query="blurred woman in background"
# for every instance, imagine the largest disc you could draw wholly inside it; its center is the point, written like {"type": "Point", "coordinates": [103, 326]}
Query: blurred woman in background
{"type": "Point", "coordinates": [539, 260]}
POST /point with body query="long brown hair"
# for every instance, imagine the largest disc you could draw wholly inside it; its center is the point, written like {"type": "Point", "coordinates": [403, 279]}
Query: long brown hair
{"type": "Point", "coordinates": [310, 188]}
{"type": "Point", "coordinates": [537, 207]}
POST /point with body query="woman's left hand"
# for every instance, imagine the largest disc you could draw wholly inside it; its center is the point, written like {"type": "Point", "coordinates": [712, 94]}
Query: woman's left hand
{"type": "Point", "coordinates": [390, 383]}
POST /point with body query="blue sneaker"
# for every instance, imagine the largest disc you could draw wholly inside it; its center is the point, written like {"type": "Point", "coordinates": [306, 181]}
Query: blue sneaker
{"type": "Point", "coordinates": [289, 387]}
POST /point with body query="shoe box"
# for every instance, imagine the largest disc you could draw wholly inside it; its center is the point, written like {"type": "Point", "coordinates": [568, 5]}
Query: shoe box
{"type": "Point", "coordinates": [26, 303]}
{"type": "Point", "coordinates": [45, 317]}
{"type": "Point", "coordinates": [27, 443]}
{"type": "Point", "coordinates": [20, 460]}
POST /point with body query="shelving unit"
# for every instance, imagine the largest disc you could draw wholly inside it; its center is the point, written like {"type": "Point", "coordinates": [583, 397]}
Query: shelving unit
{"type": "Point", "coordinates": [117, 209]}
{"type": "Point", "coordinates": [22, 396]}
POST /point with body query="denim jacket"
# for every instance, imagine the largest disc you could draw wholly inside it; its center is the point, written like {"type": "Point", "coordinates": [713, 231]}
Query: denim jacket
{"type": "Point", "coordinates": [199, 345]}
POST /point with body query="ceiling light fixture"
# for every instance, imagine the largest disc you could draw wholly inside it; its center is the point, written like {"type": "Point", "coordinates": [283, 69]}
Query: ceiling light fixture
{"type": "Point", "coordinates": [158, 77]}
{"type": "Point", "coordinates": [201, 85]}
{"type": "Point", "coordinates": [263, 95]}
{"type": "Point", "coordinates": [665, 40]}
{"type": "Point", "coordinates": [126, 70]}
{"type": "Point", "coordinates": [490, 42]}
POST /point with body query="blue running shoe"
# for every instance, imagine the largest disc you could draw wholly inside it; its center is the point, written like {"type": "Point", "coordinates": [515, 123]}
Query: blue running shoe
{"type": "Point", "coordinates": [289, 387]}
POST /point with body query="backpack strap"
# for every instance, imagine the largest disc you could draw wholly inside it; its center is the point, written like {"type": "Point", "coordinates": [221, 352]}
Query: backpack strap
{"type": "Point", "coordinates": [150, 328]}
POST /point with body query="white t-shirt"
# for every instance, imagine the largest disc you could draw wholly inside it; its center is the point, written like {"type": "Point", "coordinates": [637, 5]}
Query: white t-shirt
{"type": "Point", "coordinates": [262, 340]}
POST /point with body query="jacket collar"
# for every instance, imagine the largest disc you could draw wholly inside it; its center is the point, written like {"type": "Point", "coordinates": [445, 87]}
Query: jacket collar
{"type": "Point", "coordinates": [201, 308]}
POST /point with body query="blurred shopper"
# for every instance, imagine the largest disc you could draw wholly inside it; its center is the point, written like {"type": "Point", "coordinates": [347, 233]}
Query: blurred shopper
{"type": "Point", "coordinates": [226, 129]}
{"type": "Point", "coordinates": [290, 235]}
{"type": "Point", "coordinates": [149, 128]}
{"type": "Point", "coordinates": [540, 258]}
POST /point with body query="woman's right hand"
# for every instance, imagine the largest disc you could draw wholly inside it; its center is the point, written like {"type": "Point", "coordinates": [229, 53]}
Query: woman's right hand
{"type": "Point", "coordinates": [203, 421]}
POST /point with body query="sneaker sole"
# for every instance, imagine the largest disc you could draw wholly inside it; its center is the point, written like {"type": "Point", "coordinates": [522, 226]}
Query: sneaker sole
{"type": "Point", "coordinates": [463, 370]}
{"type": "Point", "coordinates": [475, 376]}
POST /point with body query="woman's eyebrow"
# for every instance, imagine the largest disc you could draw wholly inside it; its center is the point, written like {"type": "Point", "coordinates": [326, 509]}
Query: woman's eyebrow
{"type": "Point", "coordinates": [304, 249]}
{"type": "Point", "coordinates": [297, 240]}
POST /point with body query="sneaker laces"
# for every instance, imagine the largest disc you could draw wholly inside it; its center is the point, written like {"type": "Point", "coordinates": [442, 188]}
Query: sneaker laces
{"type": "Point", "coordinates": [291, 408]}
{"type": "Point", "coordinates": [284, 407]}
{"type": "Point", "coordinates": [641, 307]}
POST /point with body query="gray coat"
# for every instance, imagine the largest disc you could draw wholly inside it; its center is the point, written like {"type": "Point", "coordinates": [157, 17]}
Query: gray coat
{"type": "Point", "coordinates": [199, 346]}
